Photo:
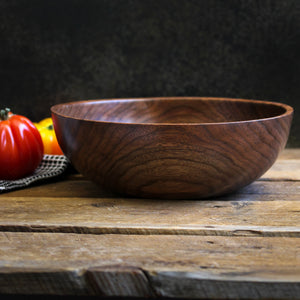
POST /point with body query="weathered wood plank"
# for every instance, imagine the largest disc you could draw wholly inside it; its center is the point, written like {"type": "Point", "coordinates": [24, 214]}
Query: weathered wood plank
{"type": "Point", "coordinates": [281, 216]}
{"type": "Point", "coordinates": [38, 282]}
{"type": "Point", "coordinates": [286, 167]}
{"type": "Point", "coordinates": [289, 153]}
{"type": "Point", "coordinates": [194, 286]}
{"type": "Point", "coordinates": [72, 186]}
{"type": "Point", "coordinates": [262, 190]}
{"type": "Point", "coordinates": [80, 187]}
{"type": "Point", "coordinates": [284, 170]}
{"type": "Point", "coordinates": [245, 245]}
{"type": "Point", "coordinates": [119, 281]}
{"type": "Point", "coordinates": [137, 265]}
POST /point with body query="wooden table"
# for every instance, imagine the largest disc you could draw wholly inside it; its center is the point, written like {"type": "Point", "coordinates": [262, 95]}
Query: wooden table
{"type": "Point", "coordinates": [69, 237]}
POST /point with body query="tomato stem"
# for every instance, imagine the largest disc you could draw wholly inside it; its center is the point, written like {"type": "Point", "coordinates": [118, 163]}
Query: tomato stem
{"type": "Point", "coordinates": [4, 114]}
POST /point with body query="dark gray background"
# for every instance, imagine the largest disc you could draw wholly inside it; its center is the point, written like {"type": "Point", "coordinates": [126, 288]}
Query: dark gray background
{"type": "Point", "coordinates": [60, 50]}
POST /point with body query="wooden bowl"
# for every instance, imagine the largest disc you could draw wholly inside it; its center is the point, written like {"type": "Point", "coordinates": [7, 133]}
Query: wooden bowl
{"type": "Point", "coordinates": [172, 147]}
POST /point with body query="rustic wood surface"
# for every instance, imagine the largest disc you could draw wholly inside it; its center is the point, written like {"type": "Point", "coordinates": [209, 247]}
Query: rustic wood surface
{"type": "Point", "coordinates": [172, 147]}
{"type": "Point", "coordinates": [69, 237]}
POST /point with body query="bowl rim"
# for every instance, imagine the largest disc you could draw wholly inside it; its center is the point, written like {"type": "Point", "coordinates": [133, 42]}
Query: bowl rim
{"type": "Point", "coordinates": [288, 109]}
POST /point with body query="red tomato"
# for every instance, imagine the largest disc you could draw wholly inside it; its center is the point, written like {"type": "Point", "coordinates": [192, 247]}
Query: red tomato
{"type": "Point", "coordinates": [21, 146]}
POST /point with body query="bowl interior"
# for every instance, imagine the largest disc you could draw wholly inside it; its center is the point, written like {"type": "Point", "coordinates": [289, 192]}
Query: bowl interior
{"type": "Point", "coordinates": [171, 110]}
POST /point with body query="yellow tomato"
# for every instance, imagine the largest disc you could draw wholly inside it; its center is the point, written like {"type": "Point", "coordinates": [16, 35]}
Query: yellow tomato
{"type": "Point", "coordinates": [51, 146]}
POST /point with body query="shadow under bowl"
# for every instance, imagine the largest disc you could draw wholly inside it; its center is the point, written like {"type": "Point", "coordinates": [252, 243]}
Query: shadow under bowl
{"type": "Point", "coordinates": [172, 147]}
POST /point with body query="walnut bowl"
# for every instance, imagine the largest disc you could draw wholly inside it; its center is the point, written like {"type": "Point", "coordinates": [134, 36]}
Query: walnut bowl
{"type": "Point", "coordinates": [172, 147]}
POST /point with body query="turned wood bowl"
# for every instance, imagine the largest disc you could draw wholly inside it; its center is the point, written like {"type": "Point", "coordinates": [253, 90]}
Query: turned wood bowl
{"type": "Point", "coordinates": [172, 147]}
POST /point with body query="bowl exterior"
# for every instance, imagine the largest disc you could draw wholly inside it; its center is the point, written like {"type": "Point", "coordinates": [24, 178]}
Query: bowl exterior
{"type": "Point", "coordinates": [184, 161]}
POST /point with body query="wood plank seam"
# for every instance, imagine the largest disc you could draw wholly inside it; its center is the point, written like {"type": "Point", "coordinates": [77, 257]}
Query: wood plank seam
{"type": "Point", "coordinates": [204, 231]}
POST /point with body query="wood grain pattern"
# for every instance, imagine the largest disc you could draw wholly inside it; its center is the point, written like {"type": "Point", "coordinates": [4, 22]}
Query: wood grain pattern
{"type": "Point", "coordinates": [273, 217]}
{"type": "Point", "coordinates": [289, 153]}
{"type": "Point", "coordinates": [71, 237]}
{"type": "Point", "coordinates": [264, 208]}
{"type": "Point", "coordinates": [284, 170]}
{"type": "Point", "coordinates": [78, 186]}
{"type": "Point", "coordinates": [129, 265]}
{"type": "Point", "coordinates": [172, 147]}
